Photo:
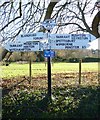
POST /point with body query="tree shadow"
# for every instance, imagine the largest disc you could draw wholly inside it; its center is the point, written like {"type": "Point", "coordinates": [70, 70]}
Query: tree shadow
{"type": "Point", "coordinates": [26, 107]}
{"type": "Point", "coordinates": [85, 103]}
{"type": "Point", "coordinates": [88, 106]}
{"type": "Point", "coordinates": [69, 102]}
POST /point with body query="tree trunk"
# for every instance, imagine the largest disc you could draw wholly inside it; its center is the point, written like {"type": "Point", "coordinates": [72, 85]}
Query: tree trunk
{"type": "Point", "coordinates": [4, 52]}
{"type": "Point", "coordinates": [95, 25]}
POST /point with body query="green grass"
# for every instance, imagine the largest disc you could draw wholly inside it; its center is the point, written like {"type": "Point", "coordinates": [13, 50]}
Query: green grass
{"type": "Point", "coordinates": [68, 100]}
{"type": "Point", "coordinates": [74, 67]}
{"type": "Point", "coordinates": [15, 69]}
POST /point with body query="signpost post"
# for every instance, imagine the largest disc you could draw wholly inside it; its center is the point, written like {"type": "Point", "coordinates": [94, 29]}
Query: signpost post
{"type": "Point", "coordinates": [34, 42]}
{"type": "Point", "coordinates": [49, 76]}
{"type": "Point", "coordinates": [48, 25]}
{"type": "Point", "coordinates": [49, 54]}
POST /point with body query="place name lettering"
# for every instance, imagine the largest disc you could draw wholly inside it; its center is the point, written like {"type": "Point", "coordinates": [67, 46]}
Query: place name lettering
{"type": "Point", "coordinates": [79, 37]}
{"type": "Point", "coordinates": [62, 41]}
{"type": "Point", "coordinates": [15, 49]}
{"type": "Point", "coordinates": [31, 43]}
{"type": "Point", "coordinates": [71, 47]}
{"type": "Point", "coordinates": [63, 44]}
{"type": "Point", "coordinates": [68, 36]}
{"type": "Point", "coordinates": [28, 35]}
{"type": "Point", "coordinates": [16, 45]}
{"type": "Point", "coordinates": [37, 38]}
{"type": "Point", "coordinates": [29, 46]}
{"type": "Point", "coordinates": [83, 47]}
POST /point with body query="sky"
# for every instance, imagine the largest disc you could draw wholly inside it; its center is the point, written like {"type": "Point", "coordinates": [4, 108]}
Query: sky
{"type": "Point", "coordinates": [95, 44]}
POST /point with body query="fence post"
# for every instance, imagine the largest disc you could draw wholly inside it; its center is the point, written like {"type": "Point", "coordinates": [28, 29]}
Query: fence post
{"type": "Point", "coordinates": [30, 71]}
{"type": "Point", "coordinates": [80, 63]}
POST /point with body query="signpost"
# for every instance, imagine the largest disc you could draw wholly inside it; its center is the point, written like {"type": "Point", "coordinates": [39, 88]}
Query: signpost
{"type": "Point", "coordinates": [48, 24]}
{"type": "Point", "coordinates": [45, 41]}
{"type": "Point", "coordinates": [49, 54]}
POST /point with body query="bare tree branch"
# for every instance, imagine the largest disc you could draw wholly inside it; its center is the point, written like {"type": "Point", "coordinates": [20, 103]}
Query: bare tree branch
{"type": "Point", "coordinates": [83, 19]}
{"type": "Point", "coordinates": [20, 14]}
{"type": "Point", "coordinates": [4, 4]}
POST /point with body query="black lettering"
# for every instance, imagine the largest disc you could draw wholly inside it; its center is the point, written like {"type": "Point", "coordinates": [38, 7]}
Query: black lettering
{"type": "Point", "coordinates": [35, 43]}
{"type": "Point", "coordinates": [71, 47]}
{"type": "Point", "coordinates": [37, 38]}
{"type": "Point", "coordinates": [29, 35]}
{"type": "Point", "coordinates": [65, 41]}
{"type": "Point", "coordinates": [15, 45]}
{"type": "Point", "coordinates": [32, 46]}
{"type": "Point", "coordinates": [26, 46]}
{"type": "Point", "coordinates": [79, 36]}
{"type": "Point", "coordinates": [83, 47]}
{"type": "Point", "coordinates": [62, 36]}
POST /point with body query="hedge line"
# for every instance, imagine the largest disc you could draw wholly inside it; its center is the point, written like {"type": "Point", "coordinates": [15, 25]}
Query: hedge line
{"type": "Point", "coordinates": [75, 60]}
{"type": "Point", "coordinates": [89, 59]}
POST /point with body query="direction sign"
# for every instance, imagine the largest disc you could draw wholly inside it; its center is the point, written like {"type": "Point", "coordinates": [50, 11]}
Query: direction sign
{"type": "Point", "coordinates": [70, 41]}
{"type": "Point", "coordinates": [39, 36]}
{"type": "Point", "coordinates": [24, 46]}
{"type": "Point", "coordinates": [72, 37]}
{"type": "Point", "coordinates": [48, 24]}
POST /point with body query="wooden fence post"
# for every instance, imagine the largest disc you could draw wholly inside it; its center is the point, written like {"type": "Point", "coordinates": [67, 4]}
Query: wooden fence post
{"type": "Point", "coordinates": [30, 71]}
{"type": "Point", "coordinates": [80, 63]}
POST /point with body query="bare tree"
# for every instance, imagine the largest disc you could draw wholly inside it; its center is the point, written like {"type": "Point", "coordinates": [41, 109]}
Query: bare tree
{"type": "Point", "coordinates": [79, 16]}
{"type": "Point", "coordinates": [18, 17]}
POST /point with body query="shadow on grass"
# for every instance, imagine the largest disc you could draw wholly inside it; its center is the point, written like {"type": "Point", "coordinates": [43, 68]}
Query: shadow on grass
{"type": "Point", "coordinates": [67, 102]}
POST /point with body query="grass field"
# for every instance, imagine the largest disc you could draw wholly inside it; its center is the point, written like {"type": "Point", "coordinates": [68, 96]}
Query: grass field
{"type": "Point", "coordinates": [69, 99]}
{"type": "Point", "coordinates": [15, 69]}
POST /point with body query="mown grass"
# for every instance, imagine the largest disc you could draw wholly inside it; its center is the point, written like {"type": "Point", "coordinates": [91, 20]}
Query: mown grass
{"type": "Point", "coordinates": [15, 69]}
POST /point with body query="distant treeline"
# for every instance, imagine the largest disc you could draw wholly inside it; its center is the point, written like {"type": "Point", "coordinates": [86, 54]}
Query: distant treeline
{"type": "Point", "coordinates": [75, 60]}
{"type": "Point", "coordinates": [89, 59]}
{"type": "Point", "coordinates": [70, 60]}
{"type": "Point", "coordinates": [60, 56]}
